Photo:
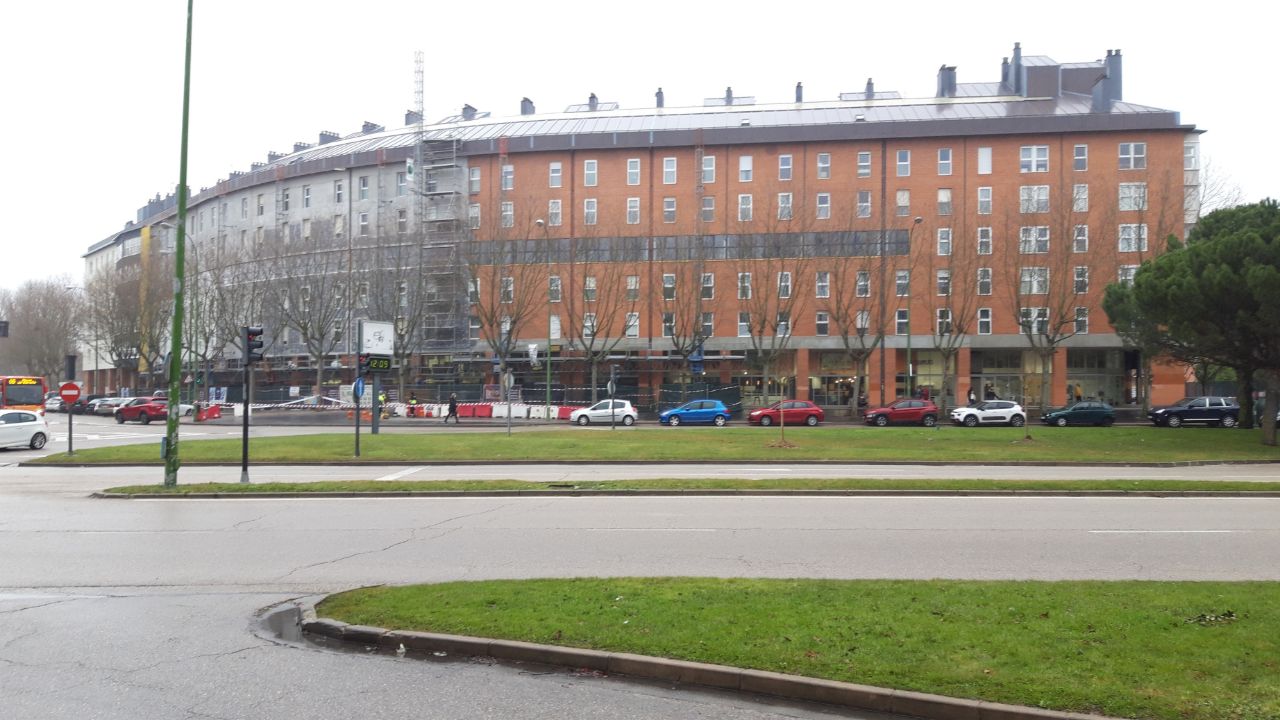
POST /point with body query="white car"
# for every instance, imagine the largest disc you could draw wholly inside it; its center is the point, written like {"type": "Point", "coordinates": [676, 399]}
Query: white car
{"type": "Point", "coordinates": [622, 413]}
{"type": "Point", "coordinates": [22, 428]}
{"type": "Point", "coordinates": [53, 404]}
{"type": "Point", "coordinates": [991, 412]}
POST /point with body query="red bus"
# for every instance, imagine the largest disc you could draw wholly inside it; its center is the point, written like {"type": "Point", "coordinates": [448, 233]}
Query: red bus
{"type": "Point", "coordinates": [22, 391]}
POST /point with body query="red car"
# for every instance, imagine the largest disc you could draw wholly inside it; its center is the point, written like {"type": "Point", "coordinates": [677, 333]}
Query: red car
{"type": "Point", "coordinates": [913, 412]}
{"type": "Point", "coordinates": [144, 410]}
{"type": "Point", "coordinates": [795, 412]}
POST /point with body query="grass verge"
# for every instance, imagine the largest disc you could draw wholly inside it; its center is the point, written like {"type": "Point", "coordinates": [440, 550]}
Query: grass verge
{"type": "Point", "coordinates": [1168, 651]}
{"type": "Point", "coordinates": [945, 444]}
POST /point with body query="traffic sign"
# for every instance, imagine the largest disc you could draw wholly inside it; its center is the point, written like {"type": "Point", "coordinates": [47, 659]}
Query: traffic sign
{"type": "Point", "coordinates": [69, 392]}
{"type": "Point", "coordinates": [612, 387]}
{"type": "Point", "coordinates": [358, 387]}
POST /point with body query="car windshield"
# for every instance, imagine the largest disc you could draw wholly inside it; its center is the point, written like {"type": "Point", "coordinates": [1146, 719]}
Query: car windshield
{"type": "Point", "coordinates": [1184, 402]}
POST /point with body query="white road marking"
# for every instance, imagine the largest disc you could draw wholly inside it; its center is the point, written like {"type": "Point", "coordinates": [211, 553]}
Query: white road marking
{"type": "Point", "coordinates": [665, 530]}
{"type": "Point", "coordinates": [402, 473]}
{"type": "Point", "coordinates": [1162, 532]}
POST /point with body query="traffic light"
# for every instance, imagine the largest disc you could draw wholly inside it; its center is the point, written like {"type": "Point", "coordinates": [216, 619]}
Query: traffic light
{"type": "Point", "coordinates": [252, 336]}
{"type": "Point", "coordinates": [364, 363]}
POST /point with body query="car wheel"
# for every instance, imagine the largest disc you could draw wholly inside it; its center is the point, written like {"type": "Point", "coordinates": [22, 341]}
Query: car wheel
{"type": "Point", "coordinates": [930, 421]}
{"type": "Point", "coordinates": [1228, 421]}
{"type": "Point", "coordinates": [1060, 422]}
{"type": "Point", "coordinates": [811, 421]}
{"type": "Point", "coordinates": [1017, 421]}
{"type": "Point", "coordinates": [628, 420]}
{"type": "Point", "coordinates": [38, 440]}
{"type": "Point", "coordinates": [881, 421]}
{"type": "Point", "coordinates": [674, 420]}
{"type": "Point", "coordinates": [144, 418]}
{"type": "Point", "coordinates": [971, 421]}
{"type": "Point", "coordinates": [119, 418]}
{"type": "Point", "coordinates": [583, 420]}
{"type": "Point", "coordinates": [765, 420]}
{"type": "Point", "coordinates": [1174, 421]}
{"type": "Point", "coordinates": [721, 420]}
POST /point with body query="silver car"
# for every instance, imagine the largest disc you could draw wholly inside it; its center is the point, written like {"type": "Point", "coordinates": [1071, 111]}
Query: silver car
{"type": "Point", "coordinates": [23, 428]}
{"type": "Point", "coordinates": [621, 411]}
{"type": "Point", "coordinates": [991, 412]}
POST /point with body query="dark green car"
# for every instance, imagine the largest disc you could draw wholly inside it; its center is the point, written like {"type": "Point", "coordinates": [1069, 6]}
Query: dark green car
{"type": "Point", "coordinates": [1083, 412]}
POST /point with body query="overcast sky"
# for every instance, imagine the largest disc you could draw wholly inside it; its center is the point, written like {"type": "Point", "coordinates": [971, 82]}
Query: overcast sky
{"type": "Point", "coordinates": [93, 89]}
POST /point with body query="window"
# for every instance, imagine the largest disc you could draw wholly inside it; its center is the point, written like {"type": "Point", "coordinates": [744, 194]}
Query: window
{"type": "Point", "coordinates": [633, 288]}
{"type": "Point", "coordinates": [508, 214]}
{"type": "Point", "coordinates": [944, 321]}
{"type": "Point", "coordinates": [984, 161]}
{"type": "Point", "coordinates": [822, 324]}
{"type": "Point", "coordinates": [337, 331]}
{"type": "Point", "coordinates": [339, 226]}
{"type": "Point", "coordinates": [363, 187]}
{"type": "Point", "coordinates": [944, 161]}
{"type": "Point", "coordinates": [708, 324]}
{"type": "Point", "coordinates": [783, 327]}
{"type": "Point", "coordinates": [944, 201]}
{"type": "Point", "coordinates": [744, 324]}
{"type": "Point", "coordinates": [984, 321]}
{"type": "Point", "coordinates": [822, 284]}
{"type": "Point", "coordinates": [1082, 321]}
{"type": "Point", "coordinates": [1080, 198]}
{"type": "Point", "coordinates": [668, 210]}
{"type": "Point", "coordinates": [784, 206]}
{"type": "Point", "coordinates": [1125, 276]}
{"type": "Point", "coordinates": [402, 222]}
{"type": "Point", "coordinates": [669, 171]}
{"type": "Point", "coordinates": [284, 201]}
{"type": "Point", "coordinates": [473, 215]}
{"type": "Point", "coordinates": [1080, 158]}
{"type": "Point", "coordinates": [902, 322]}
{"type": "Point", "coordinates": [668, 287]}
{"type": "Point", "coordinates": [984, 281]}
{"type": "Point", "coordinates": [904, 163]}
{"type": "Point", "coordinates": [555, 175]}
{"type": "Point", "coordinates": [554, 215]}
{"type": "Point", "coordinates": [1034, 320]}
{"type": "Point", "coordinates": [744, 286]}
{"type": "Point", "coordinates": [508, 177]}
{"type": "Point", "coordinates": [944, 282]}
{"type": "Point", "coordinates": [589, 211]}
{"type": "Point", "coordinates": [633, 211]}
{"type": "Point", "coordinates": [1035, 281]}
{"type": "Point", "coordinates": [862, 321]}
{"type": "Point", "coordinates": [744, 208]}
{"type": "Point", "coordinates": [244, 208]}
{"type": "Point", "coordinates": [1081, 279]}
{"type": "Point", "coordinates": [589, 288]}
{"type": "Point", "coordinates": [633, 171]}
{"type": "Point", "coordinates": [1133, 156]}
{"type": "Point", "coordinates": [1080, 239]}
{"type": "Point", "coordinates": [589, 177]}
{"type": "Point", "coordinates": [824, 166]}
{"type": "Point", "coordinates": [708, 209]}
{"type": "Point", "coordinates": [744, 168]}
{"type": "Point", "coordinates": [261, 207]}
{"type": "Point", "coordinates": [306, 196]}
{"type": "Point", "coordinates": [508, 290]}
{"type": "Point", "coordinates": [554, 289]}
{"type": "Point", "coordinates": [588, 325]}
{"type": "Point", "coordinates": [1133, 196]}
{"type": "Point", "coordinates": [473, 290]}
{"type": "Point", "coordinates": [864, 203]}
{"type": "Point", "coordinates": [1190, 156]}
{"type": "Point", "coordinates": [474, 327]}
{"type": "Point", "coordinates": [903, 200]}
{"type": "Point", "coordinates": [1034, 239]}
{"type": "Point", "coordinates": [824, 206]}
{"type": "Point", "coordinates": [337, 191]}
{"type": "Point", "coordinates": [555, 327]}
{"type": "Point", "coordinates": [306, 228]}
{"type": "Point", "coordinates": [668, 324]}
{"type": "Point", "coordinates": [984, 201]}
{"type": "Point", "coordinates": [708, 286]}
{"type": "Point", "coordinates": [944, 241]}
{"type": "Point", "coordinates": [902, 283]}
{"type": "Point", "coordinates": [984, 241]}
{"type": "Point", "coordinates": [784, 167]}
{"type": "Point", "coordinates": [708, 169]}
{"type": "Point", "coordinates": [633, 325]}
{"type": "Point", "coordinates": [1133, 238]}
{"type": "Point", "coordinates": [473, 180]}
{"type": "Point", "coordinates": [864, 164]}
{"type": "Point", "coordinates": [784, 284]}
{"type": "Point", "coordinates": [1034, 158]}
{"type": "Point", "coordinates": [402, 184]}
{"type": "Point", "coordinates": [1033, 199]}
{"type": "Point", "coordinates": [362, 294]}
{"type": "Point", "coordinates": [862, 285]}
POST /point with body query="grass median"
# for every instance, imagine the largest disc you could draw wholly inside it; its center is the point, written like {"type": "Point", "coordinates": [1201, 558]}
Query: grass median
{"type": "Point", "coordinates": [1165, 650]}
{"type": "Point", "coordinates": [840, 444]}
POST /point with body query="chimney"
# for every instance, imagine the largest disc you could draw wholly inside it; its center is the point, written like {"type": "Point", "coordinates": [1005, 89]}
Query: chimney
{"type": "Point", "coordinates": [300, 146]}
{"type": "Point", "coordinates": [526, 106]}
{"type": "Point", "coordinates": [947, 81]}
{"type": "Point", "coordinates": [1015, 81]}
{"type": "Point", "coordinates": [468, 112]}
{"type": "Point", "coordinates": [1115, 72]}
{"type": "Point", "coordinates": [658, 96]}
{"type": "Point", "coordinates": [1005, 85]}
{"type": "Point", "coordinates": [799, 93]}
{"type": "Point", "coordinates": [327, 137]}
{"type": "Point", "coordinates": [593, 102]}
{"type": "Point", "coordinates": [273, 156]}
{"type": "Point", "coordinates": [871, 89]}
{"type": "Point", "coordinates": [257, 166]}
{"type": "Point", "coordinates": [728, 96]}
{"type": "Point", "coordinates": [1107, 91]}
{"type": "Point", "coordinates": [412, 117]}
{"type": "Point", "coordinates": [369, 128]}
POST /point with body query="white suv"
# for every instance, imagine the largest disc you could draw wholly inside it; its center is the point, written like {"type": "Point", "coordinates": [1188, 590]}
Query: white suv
{"type": "Point", "coordinates": [622, 413]}
{"type": "Point", "coordinates": [991, 412]}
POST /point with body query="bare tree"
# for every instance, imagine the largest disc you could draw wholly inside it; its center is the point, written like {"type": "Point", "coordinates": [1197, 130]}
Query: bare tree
{"type": "Point", "coordinates": [778, 299]}
{"type": "Point", "coordinates": [1216, 189]}
{"type": "Point", "coordinates": [506, 284]}
{"type": "Point", "coordinates": [43, 320]}
{"type": "Point", "coordinates": [308, 290]}
{"type": "Point", "coordinates": [952, 314]}
{"type": "Point", "coordinates": [602, 313]}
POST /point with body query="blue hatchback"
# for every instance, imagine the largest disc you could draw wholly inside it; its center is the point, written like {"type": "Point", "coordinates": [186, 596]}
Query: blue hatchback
{"type": "Point", "coordinates": [696, 411]}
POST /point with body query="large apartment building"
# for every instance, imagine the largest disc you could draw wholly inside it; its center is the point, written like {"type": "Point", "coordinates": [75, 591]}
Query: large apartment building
{"type": "Point", "coordinates": [869, 244]}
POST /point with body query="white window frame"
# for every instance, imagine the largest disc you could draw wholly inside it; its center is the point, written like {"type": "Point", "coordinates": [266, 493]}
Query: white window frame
{"type": "Point", "coordinates": [668, 171]}
{"type": "Point", "coordinates": [1033, 199]}
{"type": "Point", "coordinates": [1033, 239]}
{"type": "Point", "coordinates": [708, 211]}
{"type": "Point", "coordinates": [508, 210]}
{"type": "Point", "coordinates": [1133, 156]}
{"type": "Point", "coordinates": [1080, 239]}
{"type": "Point", "coordinates": [901, 322]}
{"type": "Point", "coordinates": [784, 206]}
{"type": "Point", "coordinates": [555, 289]}
{"type": "Point", "coordinates": [306, 196]}
{"type": "Point", "coordinates": [942, 321]}
{"type": "Point", "coordinates": [903, 163]}
{"type": "Point", "coordinates": [1080, 198]}
{"type": "Point", "coordinates": [473, 215]}
{"type": "Point", "coordinates": [633, 325]}
{"type": "Point", "coordinates": [984, 161]}
{"type": "Point", "coordinates": [942, 283]}
{"type": "Point", "coordinates": [590, 173]}
{"type": "Point", "coordinates": [864, 203]}
{"type": "Point", "coordinates": [554, 327]}
{"type": "Point", "coordinates": [744, 324]}
{"type": "Point", "coordinates": [744, 207]}
{"type": "Point", "coordinates": [555, 213]}
{"type": "Point", "coordinates": [944, 242]}
{"type": "Point", "coordinates": [363, 185]}
{"type": "Point", "coordinates": [633, 211]}
{"type": "Point", "coordinates": [824, 166]}
{"type": "Point", "coordinates": [590, 289]}
{"type": "Point", "coordinates": [708, 169]}
{"type": "Point", "coordinates": [984, 281]}
{"type": "Point", "coordinates": [822, 284]}
{"type": "Point", "coordinates": [784, 284]}
{"type": "Point", "coordinates": [1033, 159]}
{"type": "Point", "coordinates": [1033, 281]}
{"type": "Point", "coordinates": [633, 171]}
{"type": "Point", "coordinates": [1033, 320]}
{"type": "Point", "coordinates": [1080, 158]}
{"type": "Point", "coordinates": [363, 223]}
{"type": "Point", "coordinates": [862, 284]}
{"type": "Point", "coordinates": [555, 175]}
{"type": "Point", "coordinates": [668, 286]}
{"type": "Point", "coordinates": [668, 324]}
{"type": "Point", "coordinates": [744, 286]}
{"type": "Point", "coordinates": [745, 169]}
{"type": "Point", "coordinates": [902, 283]}
{"type": "Point", "coordinates": [1082, 321]}
{"type": "Point", "coordinates": [668, 210]}
{"type": "Point", "coordinates": [708, 286]}
{"type": "Point", "coordinates": [1133, 237]}
{"type": "Point", "coordinates": [588, 325]}
{"type": "Point", "coordinates": [785, 169]}
{"type": "Point", "coordinates": [985, 201]}
{"type": "Point", "coordinates": [590, 211]}
{"type": "Point", "coordinates": [782, 325]}
{"type": "Point", "coordinates": [708, 324]}
{"type": "Point", "coordinates": [902, 203]}
{"type": "Point", "coordinates": [1133, 196]}
{"type": "Point", "coordinates": [1080, 282]}
{"type": "Point", "coordinates": [473, 180]}
{"type": "Point", "coordinates": [944, 161]}
{"type": "Point", "coordinates": [823, 206]}
{"type": "Point", "coordinates": [1125, 273]}
{"type": "Point", "coordinates": [822, 324]}
{"type": "Point", "coordinates": [984, 321]}
{"type": "Point", "coordinates": [508, 291]}
{"type": "Point", "coordinates": [986, 242]}
{"type": "Point", "coordinates": [944, 201]}
{"type": "Point", "coordinates": [508, 177]}
{"type": "Point", "coordinates": [633, 288]}
{"type": "Point", "coordinates": [864, 164]}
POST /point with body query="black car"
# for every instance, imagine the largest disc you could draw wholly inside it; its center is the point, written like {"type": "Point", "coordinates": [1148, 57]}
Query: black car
{"type": "Point", "coordinates": [1084, 412]}
{"type": "Point", "coordinates": [81, 406]}
{"type": "Point", "coordinates": [1210, 410]}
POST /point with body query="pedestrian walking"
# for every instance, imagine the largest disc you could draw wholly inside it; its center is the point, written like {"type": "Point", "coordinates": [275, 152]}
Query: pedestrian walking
{"type": "Point", "coordinates": [453, 409]}
{"type": "Point", "coordinates": [973, 398]}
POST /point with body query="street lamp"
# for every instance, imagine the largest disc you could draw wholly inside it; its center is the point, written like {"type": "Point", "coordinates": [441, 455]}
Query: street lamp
{"type": "Point", "coordinates": [546, 237]}
{"type": "Point", "coordinates": [910, 232]}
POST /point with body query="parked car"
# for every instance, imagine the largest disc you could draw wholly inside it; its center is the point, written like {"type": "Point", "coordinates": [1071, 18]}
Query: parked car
{"type": "Point", "coordinates": [1082, 412]}
{"type": "Point", "coordinates": [795, 412]}
{"type": "Point", "coordinates": [990, 412]}
{"type": "Point", "coordinates": [696, 411]}
{"type": "Point", "coordinates": [144, 410]}
{"type": "Point", "coordinates": [605, 411]}
{"type": "Point", "coordinates": [107, 406]}
{"type": "Point", "coordinates": [1209, 410]}
{"type": "Point", "coordinates": [53, 404]}
{"type": "Point", "coordinates": [83, 405]}
{"type": "Point", "coordinates": [22, 428]}
{"type": "Point", "coordinates": [921, 412]}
